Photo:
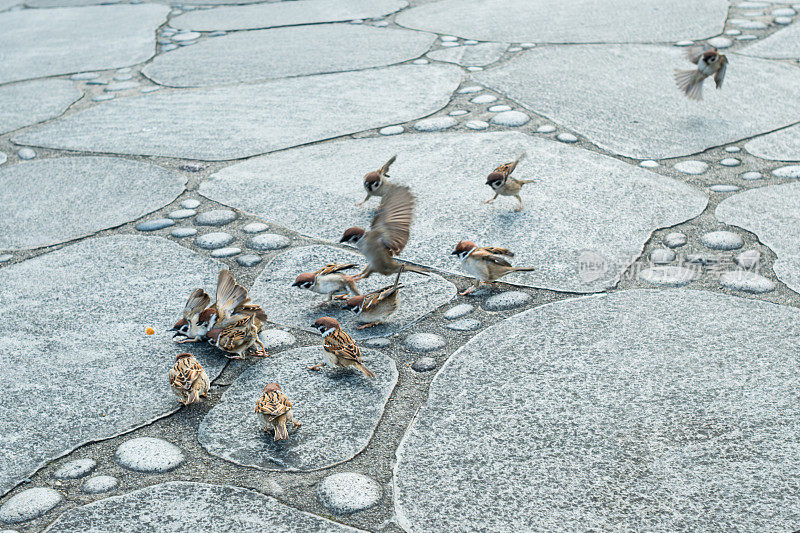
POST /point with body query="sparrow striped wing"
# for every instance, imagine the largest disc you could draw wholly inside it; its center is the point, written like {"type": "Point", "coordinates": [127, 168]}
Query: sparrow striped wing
{"type": "Point", "coordinates": [273, 403]}
{"type": "Point", "coordinates": [507, 168]}
{"type": "Point", "coordinates": [485, 255]}
{"type": "Point", "coordinates": [236, 334]}
{"type": "Point", "coordinates": [719, 76]}
{"type": "Point", "coordinates": [498, 251]}
{"type": "Point", "coordinates": [185, 372]}
{"type": "Point", "coordinates": [694, 53]}
{"type": "Point", "coordinates": [385, 168]}
{"type": "Point", "coordinates": [342, 345]}
{"type": "Point", "coordinates": [332, 268]}
{"type": "Point", "coordinates": [391, 226]}
{"type": "Point", "coordinates": [230, 295]}
{"type": "Point", "coordinates": [252, 309]}
{"type": "Point", "coordinates": [196, 303]}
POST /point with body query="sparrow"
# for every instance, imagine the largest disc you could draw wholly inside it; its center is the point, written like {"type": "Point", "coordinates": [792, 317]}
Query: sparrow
{"type": "Point", "coordinates": [232, 300]}
{"type": "Point", "coordinates": [388, 234]}
{"type": "Point", "coordinates": [502, 183]}
{"type": "Point", "coordinates": [485, 264]}
{"type": "Point", "coordinates": [709, 62]}
{"type": "Point", "coordinates": [340, 350]}
{"type": "Point", "coordinates": [374, 307]}
{"type": "Point", "coordinates": [275, 410]}
{"type": "Point", "coordinates": [189, 326]}
{"type": "Point", "coordinates": [328, 280]}
{"type": "Point", "coordinates": [239, 336]}
{"type": "Point", "coordinates": [188, 379]}
{"type": "Point", "coordinates": [375, 182]}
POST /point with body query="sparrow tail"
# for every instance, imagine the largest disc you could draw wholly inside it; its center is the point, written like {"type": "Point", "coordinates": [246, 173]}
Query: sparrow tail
{"type": "Point", "coordinates": [367, 372]}
{"type": "Point", "coordinates": [280, 430]}
{"type": "Point", "coordinates": [522, 269]}
{"type": "Point", "coordinates": [416, 269]}
{"type": "Point", "coordinates": [193, 397]}
{"type": "Point", "coordinates": [526, 181]}
{"type": "Point", "coordinates": [690, 82]}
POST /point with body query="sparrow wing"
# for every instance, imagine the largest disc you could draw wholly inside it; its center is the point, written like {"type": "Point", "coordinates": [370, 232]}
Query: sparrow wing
{"type": "Point", "coordinates": [273, 403]}
{"type": "Point", "coordinates": [391, 226]}
{"type": "Point", "coordinates": [332, 268]}
{"type": "Point", "coordinates": [230, 295]}
{"type": "Point", "coordinates": [694, 53]}
{"type": "Point", "coordinates": [385, 168]}
{"type": "Point", "coordinates": [342, 345]}
{"type": "Point", "coordinates": [196, 303]}
{"type": "Point", "coordinates": [719, 76]}
{"type": "Point", "coordinates": [251, 309]}
{"type": "Point", "coordinates": [507, 168]}
{"type": "Point", "coordinates": [498, 251]}
{"type": "Point", "coordinates": [484, 255]}
{"type": "Point", "coordinates": [185, 373]}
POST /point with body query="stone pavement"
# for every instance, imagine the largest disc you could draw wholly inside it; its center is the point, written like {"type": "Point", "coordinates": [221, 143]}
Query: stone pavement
{"type": "Point", "coordinates": [643, 378]}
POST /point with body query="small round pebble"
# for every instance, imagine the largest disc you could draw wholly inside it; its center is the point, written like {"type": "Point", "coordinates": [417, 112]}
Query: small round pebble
{"type": "Point", "coordinates": [484, 99]}
{"type": "Point", "coordinates": [180, 233]}
{"type": "Point", "coordinates": [458, 112]}
{"type": "Point", "coordinates": [191, 167]}
{"type": "Point", "coordinates": [435, 124]}
{"type": "Point", "coordinates": [691, 167]}
{"type": "Point", "coordinates": [721, 187]}
{"type": "Point", "coordinates": [121, 86]}
{"type": "Point", "coordinates": [648, 163]}
{"type": "Point", "coordinates": [276, 338]}
{"type": "Point", "coordinates": [566, 138]}
{"type": "Point", "coordinates": [499, 108]}
{"type": "Point", "coordinates": [190, 204]}
{"type": "Point", "coordinates": [228, 251]}
{"type": "Point", "coordinates": [148, 454]}
{"type": "Point", "coordinates": [464, 324]}
{"type": "Point", "coordinates": [744, 281]}
{"type": "Point", "coordinates": [507, 300]}
{"type": "Point", "coordinates": [29, 504]}
{"type": "Point", "coordinates": [255, 227]}
{"type": "Point", "coordinates": [182, 213]}
{"type": "Point", "coordinates": [722, 240]}
{"type": "Point", "coordinates": [348, 492]}
{"type": "Point", "coordinates": [96, 82]}
{"type": "Point", "coordinates": [124, 70]}
{"type": "Point", "coordinates": [748, 259]}
{"type": "Point", "coordinates": [391, 130]}
{"type": "Point", "coordinates": [185, 36]}
{"type": "Point", "coordinates": [684, 43]}
{"type": "Point", "coordinates": [458, 311]}
{"type": "Point", "coordinates": [449, 44]}
{"type": "Point", "coordinates": [424, 342]}
{"type": "Point", "coordinates": [248, 260]}
{"type": "Point", "coordinates": [662, 256]}
{"type": "Point", "coordinates": [75, 469]}
{"type": "Point", "coordinates": [268, 241]}
{"type": "Point", "coordinates": [515, 49]}
{"type": "Point", "coordinates": [471, 42]}
{"type": "Point", "coordinates": [732, 149]}
{"type": "Point", "coordinates": [474, 69]}
{"type": "Point", "coordinates": [214, 241]}
{"type": "Point", "coordinates": [376, 342]}
{"type": "Point", "coordinates": [746, 38]}
{"type": "Point", "coordinates": [730, 162]}
{"type": "Point", "coordinates": [123, 77]}
{"type": "Point", "coordinates": [547, 128]}
{"type": "Point", "coordinates": [720, 42]}
{"type": "Point", "coordinates": [26, 153]}
{"type": "Point", "coordinates": [5, 258]}
{"type": "Point", "coordinates": [477, 124]}
{"type": "Point", "coordinates": [153, 225]}
{"type": "Point", "coordinates": [752, 175]}
{"type": "Point", "coordinates": [448, 38]}
{"type": "Point", "coordinates": [420, 61]}
{"type": "Point", "coordinates": [675, 240]}
{"type": "Point", "coordinates": [215, 217]}
{"type": "Point", "coordinates": [783, 20]}
{"type": "Point", "coordinates": [103, 97]}
{"type": "Point", "coordinates": [424, 364]}
{"type": "Point", "coordinates": [99, 484]}
{"type": "Point", "coordinates": [732, 32]}
{"type": "Point", "coordinates": [510, 118]}
{"type": "Point", "coordinates": [169, 47]}
{"type": "Point", "coordinates": [380, 24]}
{"type": "Point", "coordinates": [670, 276]}
{"type": "Point", "coordinates": [790, 171]}
{"type": "Point", "coordinates": [471, 89]}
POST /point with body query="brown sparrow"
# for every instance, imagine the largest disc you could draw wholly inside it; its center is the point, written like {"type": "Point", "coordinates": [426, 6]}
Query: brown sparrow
{"type": "Point", "coordinates": [388, 234]}
{"type": "Point", "coordinates": [374, 181]}
{"type": "Point", "coordinates": [373, 308]}
{"type": "Point", "coordinates": [188, 379]}
{"type": "Point", "coordinates": [340, 350]}
{"type": "Point", "coordinates": [485, 264]}
{"type": "Point", "coordinates": [275, 410]}
{"type": "Point", "coordinates": [503, 184]}
{"type": "Point", "coordinates": [189, 326]}
{"type": "Point", "coordinates": [232, 304]}
{"type": "Point", "coordinates": [709, 62]}
{"type": "Point", "coordinates": [328, 280]}
{"type": "Point", "coordinates": [238, 337]}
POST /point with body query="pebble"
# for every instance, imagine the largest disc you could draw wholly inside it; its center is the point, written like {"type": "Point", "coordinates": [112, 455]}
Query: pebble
{"type": "Point", "coordinates": [484, 99]}
{"type": "Point", "coordinates": [474, 69]}
{"type": "Point", "coordinates": [424, 364]}
{"type": "Point", "coordinates": [790, 171]}
{"type": "Point", "coordinates": [748, 259]}
{"type": "Point", "coordinates": [448, 39]}
{"type": "Point", "coordinates": [721, 187]}
{"type": "Point", "coordinates": [744, 281]}
{"type": "Point", "coordinates": [720, 42]}
{"type": "Point", "coordinates": [348, 492]}
{"type": "Point", "coordinates": [662, 256]}
{"type": "Point", "coordinates": [752, 175]}
{"type": "Point", "coordinates": [477, 125]}
{"type": "Point", "coordinates": [228, 251]}
{"type": "Point", "coordinates": [730, 162]}
{"type": "Point", "coordinates": [85, 76]}
{"type": "Point", "coordinates": [218, 33]}
{"type": "Point", "coordinates": [511, 118]}
{"type": "Point", "coordinates": [148, 454]}
{"type": "Point", "coordinates": [648, 163]}
{"type": "Point", "coordinates": [268, 241]}
{"type": "Point", "coordinates": [99, 484]}
{"type": "Point", "coordinates": [527, 45]}
{"type": "Point", "coordinates": [675, 240]}
{"type": "Point", "coordinates": [29, 504]}
{"type": "Point", "coordinates": [180, 233]}
{"type": "Point", "coordinates": [26, 153]}
{"type": "Point", "coordinates": [182, 213]}
{"type": "Point", "coordinates": [670, 276]}
{"type": "Point", "coordinates": [103, 97]}
{"type": "Point", "coordinates": [783, 20]}
{"type": "Point", "coordinates": [515, 49]}
{"type": "Point", "coordinates": [5, 258]}
{"type": "Point", "coordinates": [149, 89]}
{"type": "Point", "coordinates": [684, 43]}
{"type": "Point", "coordinates": [499, 108]}
{"type": "Point", "coordinates": [376, 342]}
{"type": "Point", "coordinates": [751, 5]}
{"type": "Point", "coordinates": [420, 62]}
{"type": "Point", "coordinates": [449, 45]}
{"type": "Point", "coordinates": [380, 24]}
{"type": "Point", "coordinates": [722, 240]}
{"type": "Point", "coordinates": [276, 338]}
{"type": "Point", "coordinates": [214, 241]}
{"type": "Point", "coordinates": [121, 86]}
{"type": "Point", "coordinates": [470, 90]}
{"type": "Point", "coordinates": [458, 311]}
{"type": "Point", "coordinates": [215, 217]}
{"type": "Point", "coordinates": [470, 42]}
{"type": "Point", "coordinates": [191, 167]}
{"type": "Point", "coordinates": [96, 82]}
{"type": "Point", "coordinates": [255, 227]}
{"type": "Point", "coordinates": [391, 130]}
{"type": "Point", "coordinates": [435, 124]}
{"type": "Point", "coordinates": [464, 324]}
{"type": "Point", "coordinates": [691, 167]}
{"type": "Point", "coordinates": [156, 224]}
{"type": "Point", "coordinates": [547, 128]}
{"type": "Point", "coordinates": [124, 70]}
{"type": "Point", "coordinates": [123, 77]}
{"type": "Point", "coordinates": [460, 112]}
{"type": "Point", "coordinates": [732, 149]}
{"type": "Point", "coordinates": [186, 36]}
{"type": "Point", "coordinates": [749, 24]}
{"type": "Point", "coordinates": [248, 260]}
{"type": "Point", "coordinates": [75, 469]}
{"type": "Point", "coordinates": [566, 138]}
{"type": "Point", "coordinates": [733, 32]}
{"type": "Point", "coordinates": [746, 38]}
{"type": "Point", "coordinates": [190, 204]}
{"type": "Point", "coordinates": [169, 47]}
{"type": "Point", "coordinates": [507, 300]}
{"type": "Point", "coordinates": [703, 259]}
{"type": "Point", "coordinates": [424, 342]}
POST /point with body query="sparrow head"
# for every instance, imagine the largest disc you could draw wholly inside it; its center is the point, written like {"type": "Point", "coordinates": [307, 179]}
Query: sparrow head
{"type": "Point", "coordinates": [326, 325]}
{"type": "Point", "coordinates": [354, 304]}
{"type": "Point", "coordinates": [206, 316]}
{"type": "Point", "coordinates": [271, 387]}
{"type": "Point", "coordinates": [213, 336]}
{"type": "Point", "coordinates": [495, 180]}
{"type": "Point", "coordinates": [372, 181]}
{"type": "Point", "coordinates": [463, 249]}
{"type": "Point", "coordinates": [183, 356]}
{"type": "Point", "coordinates": [181, 327]}
{"type": "Point", "coordinates": [353, 235]}
{"type": "Point", "coordinates": [304, 280]}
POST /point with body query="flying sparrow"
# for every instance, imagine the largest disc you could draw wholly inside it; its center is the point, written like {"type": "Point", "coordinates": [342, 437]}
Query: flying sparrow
{"type": "Point", "coordinates": [485, 264]}
{"type": "Point", "coordinates": [238, 337]}
{"type": "Point", "coordinates": [188, 379]}
{"type": "Point", "coordinates": [275, 410]}
{"type": "Point", "coordinates": [328, 280]}
{"type": "Point", "coordinates": [340, 350]}
{"type": "Point", "coordinates": [188, 326]}
{"type": "Point", "coordinates": [388, 234]}
{"type": "Point", "coordinates": [503, 184]}
{"type": "Point", "coordinates": [709, 62]}
{"type": "Point", "coordinates": [373, 308]}
{"type": "Point", "coordinates": [375, 182]}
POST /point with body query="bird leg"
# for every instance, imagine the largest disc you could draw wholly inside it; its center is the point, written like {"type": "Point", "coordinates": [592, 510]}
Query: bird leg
{"type": "Point", "coordinates": [369, 325]}
{"type": "Point", "coordinates": [520, 203]}
{"type": "Point", "coordinates": [471, 289]}
{"type": "Point", "coordinates": [490, 200]}
{"type": "Point", "coordinates": [365, 199]}
{"type": "Point", "coordinates": [315, 367]}
{"type": "Point", "coordinates": [363, 274]}
{"type": "Point", "coordinates": [187, 339]}
{"type": "Point", "coordinates": [261, 351]}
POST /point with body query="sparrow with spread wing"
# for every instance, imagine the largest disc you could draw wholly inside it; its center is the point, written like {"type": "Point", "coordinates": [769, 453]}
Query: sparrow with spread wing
{"type": "Point", "coordinates": [189, 326]}
{"type": "Point", "coordinates": [339, 348]}
{"type": "Point", "coordinates": [486, 264]}
{"type": "Point", "coordinates": [503, 184]}
{"type": "Point", "coordinates": [374, 307]}
{"type": "Point", "coordinates": [239, 336]}
{"type": "Point", "coordinates": [709, 63]}
{"type": "Point", "coordinates": [328, 280]}
{"type": "Point", "coordinates": [375, 182]}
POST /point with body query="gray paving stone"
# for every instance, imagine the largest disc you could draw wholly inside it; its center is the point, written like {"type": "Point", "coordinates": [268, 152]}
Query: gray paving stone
{"type": "Point", "coordinates": [211, 123]}
{"type": "Point", "coordinates": [579, 88]}
{"type": "Point", "coordinates": [148, 454]}
{"type": "Point", "coordinates": [268, 241]}
{"type": "Point", "coordinates": [43, 207]}
{"type": "Point", "coordinates": [228, 251]}
{"type": "Point", "coordinates": [783, 145]}
{"type": "Point", "coordinates": [299, 308]}
{"type": "Point", "coordinates": [722, 240]}
{"type": "Point", "coordinates": [34, 40]}
{"type": "Point", "coordinates": [248, 260]}
{"type": "Point", "coordinates": [783, 44]}
{"type": "Point", "coordinates": [620, 204]}
{"type": "Point", "coordinates": [215, 217]}
{"type": "Point", "coordinates": [348, 492]}
{"type": "Point", "coordinates": [707, 382]}
{"type": "Point", "coordinates": [180, 233]}
{"type": "Point", "coordinates": [339, 410]}
{"type": "Point", "coordinates": [744, 281]}
{"type": "Point", "coordinates": [464, 324]}
{"type": "Point", "coordinates": [29, 504]}
{"type": "Point", "coordinates": [768, 212]}
{"type": "Point", "coordinates": [424, 364]}
{"type": "Point", "coordinates": [83, 363]}
{"type": "Point", "coordinates": [458, 311]}
{"type": "Point", "coordinates": [675, 239]}
{"type": "Point", "coordinates": [255, 227]}
{"type": "Point", "coordinates": [424, 342]}
{"type": "Point", "coordinates": [99, 484]}
{"type": "Point", "coordinates": [670, 276]}
{"type": "Point", "coordinates": [274, 339]}
{"type": "Point", "coordinates": [507, 300]}
{"type": "Point", "coordinates": [214, 241]}
{"type": "Point", "coordinates": [478, 55]}
{"type": "Point", "coordinates": [75, 469]}
{"type": "Point", "coordinates": [171, 506]}
{"type": "Point", "coordinates": [22, 104]}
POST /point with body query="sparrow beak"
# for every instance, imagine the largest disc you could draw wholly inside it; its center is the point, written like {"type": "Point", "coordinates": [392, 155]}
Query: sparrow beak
{"type": "Point", "coordinates": [295, 284]}
{"type": "Point", "coordinates": [454, 252]}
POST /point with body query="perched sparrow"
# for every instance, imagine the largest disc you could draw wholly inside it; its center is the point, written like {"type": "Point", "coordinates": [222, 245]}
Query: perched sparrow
{"type": "Point", "coordinates": [486, 264]}
{"type": "Point", "coordinates": [188, 326]}
{"type": "Point", "coordinates": [275, 410]}
{"type": "Point", "coordinates": [238, 337]}
{"type": "Point", "coordinates": [373, 308]}
{"type": "Point", "coordinates": [232, 303]}
{"type": "Point", "coordinates": [340, 348]}
{"type": "Point", "coordinates": [709, 62]}
{"type": "Point", "coordinates": [188, 379]}
{"type": "Point", "coordinates": [374, 181]}
{"type": "Point", "coordinates": [388, 234]}
{"type": "Point", "coordinates": [502, 183]}
{"type": "Point", "coordinates": [328, 280]}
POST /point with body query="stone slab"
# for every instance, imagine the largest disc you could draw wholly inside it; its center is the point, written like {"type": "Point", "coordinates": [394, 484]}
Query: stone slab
{"type": "Point", "coordinates": [339, 410]}
{"type": "Point", "coordinates": [642, 410]}
{"type": "Point", "coordinates": [45, 207]}
{"type": "Point", "coordinates": [240, 121]}
{"type": "Point", "coordinates": [783, 145]}
{"type": "Point", "coordinates": [783, 44]}
{"type": "Point", "coordinates": [639, 112]}
{"type": "Point", "coordinates": [125, 283]}
{"type": "Point", "coordinates": [580, 201]}
{"type": "Point", "coordinates": [23, 104]}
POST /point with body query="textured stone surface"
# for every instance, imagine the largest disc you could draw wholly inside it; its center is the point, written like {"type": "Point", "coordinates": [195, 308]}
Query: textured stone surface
{"type": "Point", "coordinates": [478, 55]}
{"type": "Point", "coordinates": [507, 300]}
{"type": "Point", "coordinates": [435, 124]}
{"type": "Point", "coordinates": [215, 217]}
{"type": "Point", "coordinates": [118, 191]}
{"type": "Point", "coordinates": [299, 308]}
{"type": "Point", "coordinates": [238, 121]}
{"type": "Point", "coordinates": [639, 112]}
{"type": "Point", "coordinates": [75, 469]}
{"type": "Point", "coordinates": [458, 311]}
{"type": "Point", "coordinates": [99, 484]}
{"type": "Point", "coordinates": [788, 171]}
{"type": "Point", "coordinates": [29, 504]}
{"type": "Point", "coordinates": [348, 492]}
{"type": "Point", "coordinates": [579, 21]}
{"type": "Point", "coordinates": [22, 104]}
{"type": "Point", "coordinates": [722, 240]}
{"type": "Point", "coordinates": [783, 145]}
{"type": "Point", "coordinates": [424, 364]}
{"type": "Point", "coordinates": [768, 212]}
{"type": "Point", "coordinates": [783, 44]}
{"type": "Point", "coordinates": [620, 204]}
{"type": "Point", "coordinates": [585, 408]}
{"type": "Point", "coordinates": [338, 408]}
{"type": "Point", "coordinates": [148, 454]}
{"type": "Point", "coordinates": [670, 276]}
{"type": "Point", "coordinates": [84, 364]}
{"type": "Point", "coordinates": [171, 506]}
{"type": "Point", "coordinates": [662, 256]}
{"type": "Point", "coordinates": [675, 239]}
{"type": "Point", "coordinates": [276, 338]}
{"type": "Point", "coordinates": [424, 342]}
{"type": "Point", "coordinates": [691, 167]}
{"type": "Point", "coordinates": [155, 224]}
{"type": "Point", "coordinates": [268, 241]}
{"type": "Point", "coordinates": [464, 324]}
{"type": "Point", "coordinates": [34, 41]}
{"type": "Point", "coordinates": [741, 280]}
